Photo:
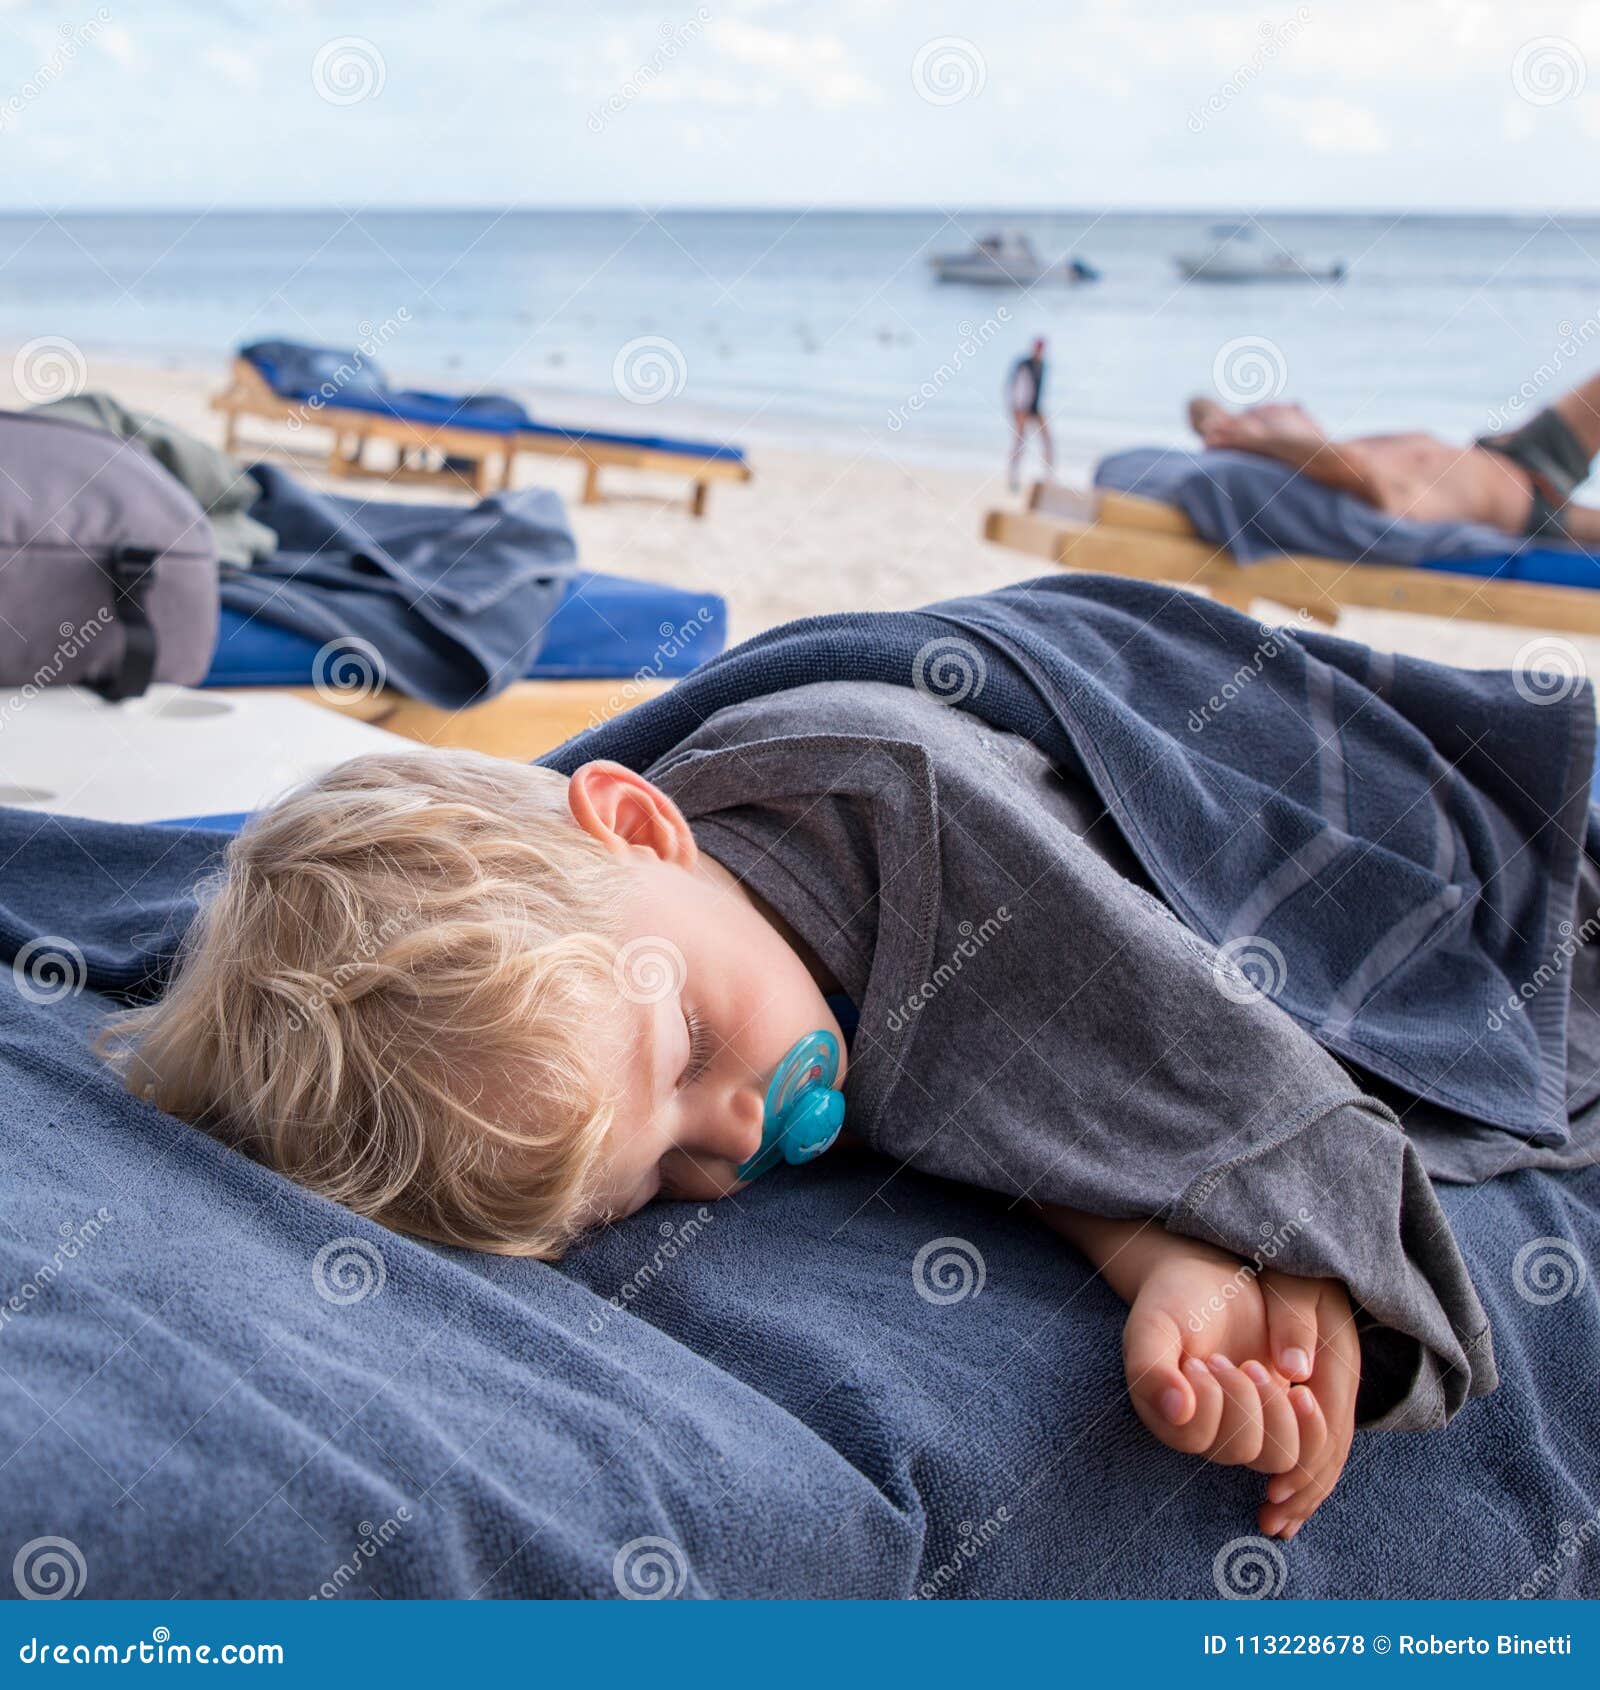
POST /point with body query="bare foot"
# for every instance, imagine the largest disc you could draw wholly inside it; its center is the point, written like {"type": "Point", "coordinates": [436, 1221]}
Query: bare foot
{"type": "Point", "coordinates": [1290, 421]}
{"type": "Point", "coordinates": [1232, 430]}
{"type": "Point", "coordinates": [1205, 416]}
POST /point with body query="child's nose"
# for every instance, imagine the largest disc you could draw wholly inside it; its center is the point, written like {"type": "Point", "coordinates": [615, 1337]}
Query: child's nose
{"type": "Point", "coordinates": [740, 1128]}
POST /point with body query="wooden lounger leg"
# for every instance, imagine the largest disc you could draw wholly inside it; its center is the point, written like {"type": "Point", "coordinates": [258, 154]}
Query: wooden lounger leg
{"type": "Point", "coordinates": [697, 499]}
{"type": "Point", "coordinates": [230, 432]}
{"type": "Point", "coordinates": [591, 482]}
{"type": "Point", "coordinates": [344, 454]}
{"type": "Point", "coordinates": [508, 468]}
{"type": "Point", "coordinates": [1238, 595]}
{"type": "Point", "coordinates": [1324, 610]}
{"type": "Point", "coordinates": [1243, 594]}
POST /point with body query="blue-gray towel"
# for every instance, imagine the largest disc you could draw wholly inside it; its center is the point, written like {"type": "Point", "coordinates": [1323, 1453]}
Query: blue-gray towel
{"type": "Point", "coordinates": [1406, 835]}
{"type": "Point", "coordinates": [1259, 509]}
{"type": "Point", "coordinates": [227, 1386]}
{"type": "Point", "coordinates": [453, 599]}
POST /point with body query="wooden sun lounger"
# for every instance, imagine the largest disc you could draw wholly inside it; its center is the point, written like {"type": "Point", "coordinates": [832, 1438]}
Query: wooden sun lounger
{"type": "Point", "coordinates": [423, 451]}
{"type": "Point", "coordinates": [526, 720]}
{"type": "Point", "coordinates": [1120, 534]}
{"type": "Point", "coordinates": [430, 452]}
{"type": "Point", "coordinates": [596, 455]}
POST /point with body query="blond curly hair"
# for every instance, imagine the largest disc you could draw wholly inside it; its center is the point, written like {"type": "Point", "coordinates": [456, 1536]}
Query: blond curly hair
{"type": "Point", "coordinates": [392, 992]}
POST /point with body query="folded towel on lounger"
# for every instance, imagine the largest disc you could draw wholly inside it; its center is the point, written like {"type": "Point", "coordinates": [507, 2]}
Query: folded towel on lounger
{"type": "Point", "coordinates": [1261, 509]}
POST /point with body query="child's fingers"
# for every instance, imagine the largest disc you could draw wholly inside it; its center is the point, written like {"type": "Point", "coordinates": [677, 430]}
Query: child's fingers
{"type": "Point", "coordinates": [1198, 1434]}
{"type": "Point", "coordinates": [1313, 1425]}
{"type": "Point", "coordinates": [1152, 1353]}
{"type": "Point", "coordinates": [1337, 1379]}
{"type": "Point", "coordinates": [1279, 1519]}
{"type": "Point", "coordinates": [1291, 1322]}
{"type": "Point", "coordinates": [1333, 1384]}
{"type": "Point", "coordinates": [1313, 1440]}
{"type": "Point", "coordinates": [1284, 1519]}
{"type": "Point", "coordinates": [1280, 1429]}
{"type": "Point", "coordinates": [1313, 1443]}
{"type": "Point", "coordinates": [1238, 1440]}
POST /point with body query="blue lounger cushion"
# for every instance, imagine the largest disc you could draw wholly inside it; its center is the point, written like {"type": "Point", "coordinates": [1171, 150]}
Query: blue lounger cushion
{"type": "Point", "coordinates": [1259, 510]}
{"type": "Point", "coordinates": [1553, 566]}
{"type": "Point", "coordinates": [323, 375]}
{"type": "Point", "coordinates": [605, 627]}
{"type": "Point", "coordinates": [643, 442]}
{"type": "Point", "coordinates": [226, 821]}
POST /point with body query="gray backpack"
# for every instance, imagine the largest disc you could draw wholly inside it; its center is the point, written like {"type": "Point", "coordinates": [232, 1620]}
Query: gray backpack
{"type": "Point", "coordinates": [108, 568]}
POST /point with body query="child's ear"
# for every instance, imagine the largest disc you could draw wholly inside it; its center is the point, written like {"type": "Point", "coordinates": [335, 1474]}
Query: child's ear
{"type": "Point", "coordinates": [622, 809]}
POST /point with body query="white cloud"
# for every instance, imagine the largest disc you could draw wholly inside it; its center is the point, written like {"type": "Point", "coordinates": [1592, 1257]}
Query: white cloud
{"type": "Point", "coordinates": [1327, 125]}
{"type": "Point", "coordinates": [815, 65]}
{"type": "Point", "coordinates": [1377, 42]}
{"type": "Point", "coordinates": [232, 66]}
{"type": "Point", "coordinates": [114, 39]}
{"type": "Point", "coordinates": [690, 87]}
{"type": "Point", "coordinates": [1378, 101]}
{"type": "Point", "coordinates": [1518, 122]}
{"type": "Point", "coordinates": [1359, 44]}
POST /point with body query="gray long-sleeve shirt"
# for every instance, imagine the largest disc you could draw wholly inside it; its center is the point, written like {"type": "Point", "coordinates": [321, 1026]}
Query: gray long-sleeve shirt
{"type": "Point", "coordinates": [1034, 1021]}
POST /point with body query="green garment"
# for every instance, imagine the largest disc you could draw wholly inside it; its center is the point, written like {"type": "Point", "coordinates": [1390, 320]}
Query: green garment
{"type": "Point", "coordinates": [224, 492]}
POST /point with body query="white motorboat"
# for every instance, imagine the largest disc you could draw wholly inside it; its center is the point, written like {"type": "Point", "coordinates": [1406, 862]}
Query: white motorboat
{"type": "Point", "coordinates": [1008, 260]}
{"type": "Point", "coordinates": [1237, 253]}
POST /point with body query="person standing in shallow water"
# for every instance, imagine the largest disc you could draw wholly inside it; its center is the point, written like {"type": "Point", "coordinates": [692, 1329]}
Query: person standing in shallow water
{"type": "Point", "coordinates": [1025, 397]}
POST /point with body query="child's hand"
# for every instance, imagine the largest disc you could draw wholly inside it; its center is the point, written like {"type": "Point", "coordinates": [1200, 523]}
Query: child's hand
{"type": "Point", "coordinates": [1202, 1369]}
{"type": "Point", "coordinates": [1253, 1370]}
{"type": "Point", "coordinates": [1293, 1497]}
{"type": "Point", "coordinates": [1246, 1370]}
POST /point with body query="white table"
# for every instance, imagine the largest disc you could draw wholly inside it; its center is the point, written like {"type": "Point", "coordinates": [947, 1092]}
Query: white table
{"type": "Point", "coordinates": [175, 752]}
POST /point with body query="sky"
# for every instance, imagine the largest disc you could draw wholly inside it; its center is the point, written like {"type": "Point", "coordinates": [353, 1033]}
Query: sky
{"type": "Point", "coordinates": [1322, 104]}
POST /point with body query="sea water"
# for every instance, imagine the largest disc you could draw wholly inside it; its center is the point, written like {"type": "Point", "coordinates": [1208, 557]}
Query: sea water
{"type": "Point", "coordinates": [828, 328]}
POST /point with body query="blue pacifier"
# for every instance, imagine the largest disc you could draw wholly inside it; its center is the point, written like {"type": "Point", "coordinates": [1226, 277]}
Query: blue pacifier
{"type": "Point", "coordinates": [803, 1111]}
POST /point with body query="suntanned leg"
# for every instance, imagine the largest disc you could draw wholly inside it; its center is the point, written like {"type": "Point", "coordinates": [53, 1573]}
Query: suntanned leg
{"type": "Point", "coordinates": [1047, 444]}
{"type": "Point", "coordinates": [1218, 426]}
{"type": "Point", "coordinates": [1582, 524]}
{"type": "Point", "coordinates": [1204, 414]}
{"type": "Point", "coordinates": [1288, 418]}
{"type": "Point", "coordinates": [1013, 472]}
{"type": "Point", "coordinates": [1291, 435]}
{"type": "Point", "coordinates": [1261, 430]}
{"type": "Point", "coordinates": [1410, 475]}
{"type": "Point", "coordinates": [1580, 410]}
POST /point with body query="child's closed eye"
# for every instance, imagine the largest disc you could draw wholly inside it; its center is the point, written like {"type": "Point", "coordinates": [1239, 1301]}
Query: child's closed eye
{"type": "Point", "coordinates": [699, 1049]}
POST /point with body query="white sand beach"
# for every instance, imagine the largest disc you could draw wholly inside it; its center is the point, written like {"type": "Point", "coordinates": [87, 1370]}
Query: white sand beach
{"type": "Point", "coordinates": [812, 532]}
